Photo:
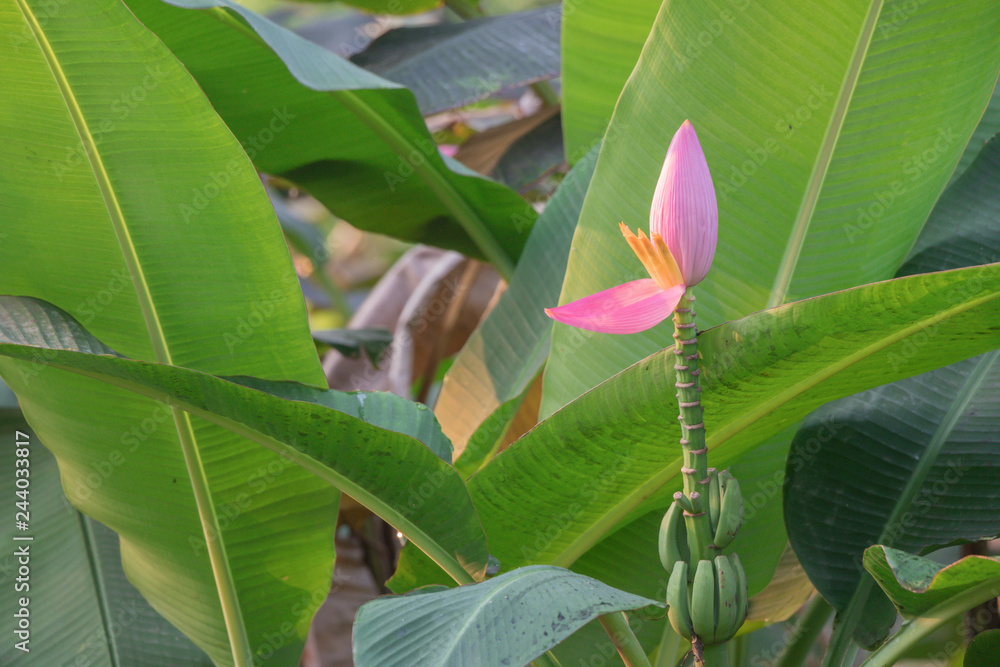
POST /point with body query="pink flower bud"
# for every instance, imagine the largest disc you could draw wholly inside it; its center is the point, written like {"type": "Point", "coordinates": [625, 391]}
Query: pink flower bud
{"type": "Point", "coordinates": [684, 210]}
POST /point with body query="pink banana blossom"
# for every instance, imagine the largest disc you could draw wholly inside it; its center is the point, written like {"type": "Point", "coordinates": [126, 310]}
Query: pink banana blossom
{"type": "Point", "coordinates": [677, 254]}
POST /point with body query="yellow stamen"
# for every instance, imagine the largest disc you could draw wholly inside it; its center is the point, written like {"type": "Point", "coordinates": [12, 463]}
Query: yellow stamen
{"type": "Point", "coordinates": [655, 257]}
{"type": "Point", "coordinates": [669, 263]}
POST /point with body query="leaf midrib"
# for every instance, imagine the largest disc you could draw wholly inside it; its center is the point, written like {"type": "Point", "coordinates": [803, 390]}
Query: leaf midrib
{"type": "Point", "coordinates": [478, 609]}
{"type": "Point", "coordinates": [800, 227]}
{"type": "Point", "coordinates": [223, 575]}
{"type": "Point", "coordinates": [596, 530]}
{"type": "Point", "coordinates": [930, 454]}
{"type": "Point", "coordinates": [100, 587]}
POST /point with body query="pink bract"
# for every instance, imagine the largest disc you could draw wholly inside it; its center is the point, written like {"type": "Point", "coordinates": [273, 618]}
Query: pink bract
{"type": "Point", "coordinates": [684, 210]}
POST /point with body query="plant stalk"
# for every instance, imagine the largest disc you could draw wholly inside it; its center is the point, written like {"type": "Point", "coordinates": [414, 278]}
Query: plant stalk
{"type": "Point", "coordinates": [841, 640]}
{"type": "Point", "coordinates": [695, 469]}
{"type": "Point", "coordinates": [670, 642]}
{"type": "Point", "coordinates": [629, 648]}
{"type": "Point", "coordinates": [915, 630]}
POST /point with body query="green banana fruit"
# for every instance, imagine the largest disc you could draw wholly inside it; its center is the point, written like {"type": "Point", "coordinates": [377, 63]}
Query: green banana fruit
{"type": "Point", "coordinates": [742, 588]}
{"type": "Point", "coordinates": [673, 537]}
{"type": "Point", "coordinates": [729, 603]}
{"type": "Point", "coordinates": [714, 497]}
{"type": "Point", "coordinates": [719, 600]}
{"type": "Point", "coordinates": [704, 602]}
{"type": "Point", "coordinates": [730, 511]}
{"type": "Point", "coordinates": [678, 610]}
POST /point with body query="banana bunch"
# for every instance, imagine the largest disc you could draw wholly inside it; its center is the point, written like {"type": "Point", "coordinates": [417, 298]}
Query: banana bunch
{"type": "Point", "coordinates": [707, 597]}
{"type": "Point", "coordinates": [725, 514]}
{"type": "Point", "coordinates": [715, 604]}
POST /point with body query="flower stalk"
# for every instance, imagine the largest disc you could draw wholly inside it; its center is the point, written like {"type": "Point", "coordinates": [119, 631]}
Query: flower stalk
{"type": "Point", "coordinates": [695, 468]}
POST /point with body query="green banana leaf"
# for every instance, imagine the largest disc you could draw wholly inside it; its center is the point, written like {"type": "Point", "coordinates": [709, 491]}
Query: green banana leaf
{"type": "Point", "coordinates": [926, 446]}
{"type": "Point", "coordinates": [508, 620]}
{"type": "Point", "coordinates": [908, 465]}
{"type": "Point", "coordinates": [456, 64]}
{"type": "Point", "coordinates": [351, 139]}
{"type": "Point", "coordinates": [939, 594]}
{"type": "Point", "coordinates": [334, 435]}
{"type": "Point", "coordinates": [609, 457]}
{"type": "Point", "coordinates": [760, 542]}
{"type": "Point", "coordinates": [371, 343]}
{"type": "Point", "coordinates": [824, 173]}
{"type": "Point", "coordinates": [601, 41]}
{"type": "Point", "coordinates": [532, 157]}
{"type": "Point", "coordinates": [505, 353]}
{"type": "Point", "coordinates": [81, 606]}
{"type": "Point", "coordinates": [963, 229]}
{"type": "Point", "coordinates": [118, 143]}
{"type": "Point", "coordinates": [988, 126]}
{"type": "Point", "coordinates": [916, 584]}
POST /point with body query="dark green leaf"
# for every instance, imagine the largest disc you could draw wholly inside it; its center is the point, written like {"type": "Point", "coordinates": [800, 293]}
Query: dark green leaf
{"type": "Point", "coordinates": [532, 156]}
{"type": "Point", "coordinates": [964, 227]}
{"type": "Point", "coordinates": [988, 126]}
{"type": "Point", "coordinates": [454, 65]}
{"type": "Point", "coordinates": [355, 342]}
{"type": "Point", "coordinates": [984, 650]}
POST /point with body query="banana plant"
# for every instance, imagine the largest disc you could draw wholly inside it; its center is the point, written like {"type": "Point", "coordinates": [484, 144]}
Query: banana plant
{"type": "Point", "coordinates": [153, 330]}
